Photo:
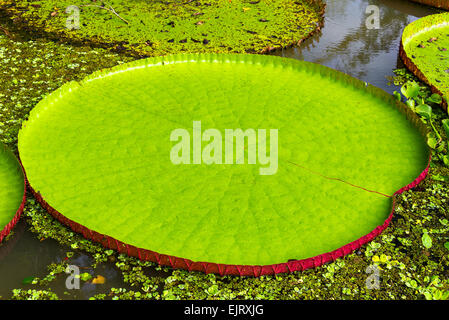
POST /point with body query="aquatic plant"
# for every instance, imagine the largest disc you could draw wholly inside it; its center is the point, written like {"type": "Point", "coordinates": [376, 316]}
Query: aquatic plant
{"type": "Point", "coordinates": [12, 191]}
{"type": "Point", "coordinates": [420, 100]}
{"type": "Point", "coordinates": [113, 169]}
{"type": "Point", "coordinates": [424, 50]}
{"type": "Point", "coordinates": [153, 28]}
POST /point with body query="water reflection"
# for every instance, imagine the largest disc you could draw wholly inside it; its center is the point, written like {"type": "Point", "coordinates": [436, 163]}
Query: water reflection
{"type": "Point", "coordinates": [346, 44]}
{"type": "Point", "coordinates": [24, 256]}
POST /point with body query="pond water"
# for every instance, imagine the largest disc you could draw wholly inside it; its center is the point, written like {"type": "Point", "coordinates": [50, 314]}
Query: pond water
{"type": "Point", "coordinates": [345, 44]}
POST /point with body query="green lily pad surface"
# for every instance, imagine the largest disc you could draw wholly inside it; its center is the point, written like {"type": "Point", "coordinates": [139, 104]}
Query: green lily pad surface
{"type": "Point", "coordinates": [99, 152]}
{"type": "Point", "coordinates": [425, 43]}
{"type": "Point", "coordinates": [11, 187]}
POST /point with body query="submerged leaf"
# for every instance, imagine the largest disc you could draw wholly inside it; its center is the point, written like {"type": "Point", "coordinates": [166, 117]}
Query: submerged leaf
{"type": "Point", "coordinates": [28, 280]}
{"type": "Point", "coordinates": [99, 280]}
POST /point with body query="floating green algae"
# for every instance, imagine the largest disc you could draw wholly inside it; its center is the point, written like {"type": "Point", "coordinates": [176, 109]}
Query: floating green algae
{"type": "Point", "coordinates": [425, 44]}
{"type": "Point", "coordinates": [11, 187]}
{"type": "Point", "coordinates": [31, 69]}
{"type": "Point", "coordinates": [157, 27]}
{"type": "Point", "coordinates": [113, 173]}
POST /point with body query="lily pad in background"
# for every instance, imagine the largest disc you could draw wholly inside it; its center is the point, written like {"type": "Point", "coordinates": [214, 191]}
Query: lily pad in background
{"type": "Point", "coordinates": [425, 51]}
{"type": "Point", "coordinates": [152, 28]}
{"type": "Point", "coordinates": [12, 191]}
{"type": "Point", "coordinates": [97, 155]}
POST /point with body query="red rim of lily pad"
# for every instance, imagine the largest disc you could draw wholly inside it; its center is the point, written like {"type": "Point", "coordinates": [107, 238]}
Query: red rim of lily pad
{"type": "Point", "coordinates": [227, 269]}
{"type": "Point", "coordinates": [8, 228]}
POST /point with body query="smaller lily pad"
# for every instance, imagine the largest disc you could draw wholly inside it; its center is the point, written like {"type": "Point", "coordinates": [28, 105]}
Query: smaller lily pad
{"type": "Point", "coordinates": [424, 51]}
{"type": "Point", "coordinates": [28, 280]}
{"type": "Point", "coordinates": [12, 190]}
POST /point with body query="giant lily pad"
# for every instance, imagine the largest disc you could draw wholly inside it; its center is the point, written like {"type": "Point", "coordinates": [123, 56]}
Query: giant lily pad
{"type": "Point", "coordinates": [97, 154]}
{"type": "Point", "coordinates": [425, 51]}
{"type": "Point", "coordinates": [12, 191]}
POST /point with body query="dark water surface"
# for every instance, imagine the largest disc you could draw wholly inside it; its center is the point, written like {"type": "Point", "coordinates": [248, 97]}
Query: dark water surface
{"type": "Point", "coordinates": [347, 45]}
{"type": "Point", "coordinates": [344, 44]}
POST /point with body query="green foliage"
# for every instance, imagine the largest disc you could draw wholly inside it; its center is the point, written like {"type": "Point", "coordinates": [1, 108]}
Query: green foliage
{"type": "Point", "coordinates": [154, 28]}
{"type": "Point", "coordinates": [420, 99]}
{"type": "Point", "coordinates": [445, 123]}
{"type": "Point", "coordinates": [11, 186]}
{"type": "Point", "coordinates": [426, 43]}
{"type": "Point", "coordinates": [401, 76]}
{"type": "Point", "coordinates": [426, 240]}
{"type": "Point", "coordinates": [28, 280]}
{"type": "Point", "coordinates": [85, 276]}
{"type": "Point", "coordinates": [435, 98]}
{"type": "Point", "coordinates": [31, 294]}
{"type": "Point", "coordinates": [408, 270]}
{"type": "Point", "coordinates": [424, 111]}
